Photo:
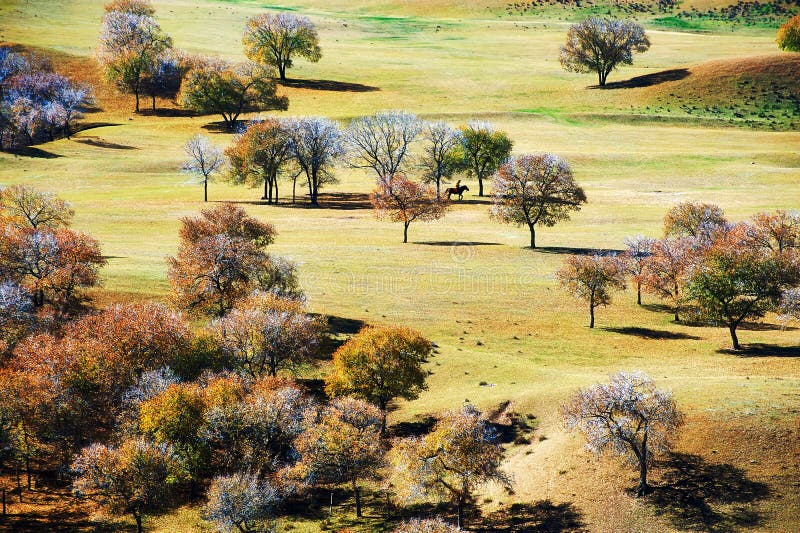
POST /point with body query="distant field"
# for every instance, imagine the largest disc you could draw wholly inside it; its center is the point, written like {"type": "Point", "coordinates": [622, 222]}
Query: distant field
{"type": "Point", "coordinates": [468, 283]}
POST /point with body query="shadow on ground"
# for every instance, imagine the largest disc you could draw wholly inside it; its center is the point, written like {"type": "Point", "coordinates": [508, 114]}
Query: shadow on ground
{"type": "Point", "coordinates": [539, 516]}
{"type": "Point", "coordinates": [698, 495]}
{"type": "Point", "coordinates": [575, 251]}
{"type": "Point", "coordinates": [458, 243]}
{"type": "Point", "coordinates": [647, 333]}
{"type": "Point", "coordinates": [329, 85]}
{"type": "Point", "coordinates": [647, 80]}
{"type": "Point", "coordinates": [100, 143]}
{"type": "Point", "coordinates": [763, 350]}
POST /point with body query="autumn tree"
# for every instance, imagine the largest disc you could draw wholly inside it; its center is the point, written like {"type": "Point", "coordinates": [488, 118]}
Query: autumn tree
{"type": "Point", "coordinates": [458, 455]}
{"type": "Point", "coordinates": [629, 417]}
{"type": "Point", "coordinates": [400, 199]}
{"type": "Point", "coordinates": [776, 233]}
{"type": "Point", "coordinates": [134, 478]}
{"type": "Point", "coordinates": [788, 38]}
{"type": "Point", "coordinates": [266, 333]}
{"type": "Point", "coordinates": [440, 156]}
{"type": "Point", "coordinates": [666, 270]}
{"type": "Point", "coordinates": [592, 278]}
{"type": "Point", "coordinates": [257, 433]}
{"type": "Point", "coordinates": [380, 364]}
{"type": "Point", "coordinates": [273, 39]}
{"type": "Point", "coordinates": [691, 219]}
{"type": "Point", "coordinates": [259, 155]}
{"type": "Point", "coordinates": [637, 249]}
{"type": "Point", "coordinates": [732, 283]}
{"type": "Point", "coordinates": [222, 259]}
{"type": "Point", "coordinates": [16, 315]}
{"type": "Point", "coordinates": [240, 502]}
{"type": "Point", "coordinates": [533, 190]}
{"type": "Point", "coordinates": [203, 160]}
{"type": "Point", "coordinates": [315, 146]}
{"type": "Point", "coordinates": [130, 46]}
{"type": "Point", "coordinates": [134, 7]}
{"type": "Point", "coordinates": [425, 525]}
{"type": "Point", "coordinates": [226, 89]}
{"type": "Point", "coordinates": [789, 308]}
{"type": "Point", "coordinates": [601, 45]}
{"type": "Point", "coordinates": [343, 445]}
{"type": "Point", "coordinates": [381, 142]}
{"type": "Point", "coordinates": [483, 150]}
{"type": "Point", "coordinates": [23, 206]}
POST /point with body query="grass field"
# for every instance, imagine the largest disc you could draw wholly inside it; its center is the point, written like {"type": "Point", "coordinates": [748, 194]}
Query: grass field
{"type": "Point", "coordinates": [468, 283]}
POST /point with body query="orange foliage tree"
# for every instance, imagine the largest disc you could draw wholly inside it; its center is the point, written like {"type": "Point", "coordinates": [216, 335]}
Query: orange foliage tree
{"type": "Point", "coordinates": [400, 199]}
{"type": "Point", "coordinates": [258, 155]}
{"type": "Point", "coordinates": [591, 278]}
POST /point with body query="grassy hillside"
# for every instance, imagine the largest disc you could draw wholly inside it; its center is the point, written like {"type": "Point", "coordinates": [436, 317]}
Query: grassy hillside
{"type": "Point", "coordinates": [468, 283]}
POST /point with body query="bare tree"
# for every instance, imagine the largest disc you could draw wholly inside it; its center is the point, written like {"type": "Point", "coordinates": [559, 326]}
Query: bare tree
{"type": "Point", "coordinates": [439, 159]}
{"type": "Point", "coordinates": [628, 416]}
{"type": "Point", "coordinates": [381, 141]}
{"type": "Point", "coordinates": [638, 249]}
{"type": "Point", "coordinates": [204, 159]}
{"type": "Point", "coordinates": [273, 39]}
{"type": "Point", "coordinates": [535, 189]}
{"type": "Point", "coordinates": [600, 45]}
{"type": "Point", "coordinates": [315, 144]}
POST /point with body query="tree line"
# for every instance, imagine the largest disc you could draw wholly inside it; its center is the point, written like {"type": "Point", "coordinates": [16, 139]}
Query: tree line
{"type": "Point", "coordinates": [709, 270]}
{"type": "Point", "coordinates": [142, 409]}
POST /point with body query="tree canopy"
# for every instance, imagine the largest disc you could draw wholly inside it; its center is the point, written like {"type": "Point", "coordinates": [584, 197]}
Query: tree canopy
{"type": "Point", "coordinates": [273, 40]}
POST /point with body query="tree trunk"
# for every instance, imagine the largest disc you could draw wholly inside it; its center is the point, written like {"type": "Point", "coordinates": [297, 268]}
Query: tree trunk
{"type": "Point", "coordinates": [138, 518]}
{"type": "Point", "coordinates": [205, 190]}
{"type": "Point", "coordinates": [480, 186]}
{"type": "Point", "coordinates": [382, 406]}
{"type": "Point", "coordinates": [591, 316]}
{"type": "Point", "coordinates": [405, 232]}
{"type": "Point", "coordinates": [460, 512]}
{"type": "Point", "coordinates": [267, 189]}
{"type": "Point", "coordinates": [734, 338]}
{"type": "Point", "coordinates": [294, 190]}
{"type": "Point", "coordinates": [357, 494]}
{"type": "Point", "coordinates": [677, 315]}
{"type": "Point", "coordinates": [533, 236]}
{"type": "Point", "coordinates": [154, 102]}
{"type": "Point", "coordinates": [642, 488]}
{"type": "Point", "coordinates": [282, 69]}
{"type": "Point", "coordinates": [639, 293]}
{"type": "Point", "coordinates": [136, 94]}
{"type": "Point", "coordinates": [275, 182]}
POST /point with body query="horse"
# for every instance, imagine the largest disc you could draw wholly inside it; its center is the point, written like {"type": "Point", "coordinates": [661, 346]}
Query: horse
{"type": "Point", "coordinates": [456, 190]}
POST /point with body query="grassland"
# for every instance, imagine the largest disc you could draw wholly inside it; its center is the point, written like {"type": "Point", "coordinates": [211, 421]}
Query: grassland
{"type": "Point", "coordinates": [469, 284]}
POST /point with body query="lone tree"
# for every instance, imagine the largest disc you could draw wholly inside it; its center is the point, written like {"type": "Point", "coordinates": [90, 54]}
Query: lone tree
{"type": "Point", "coordinates": [381, 141]}
{"type": "Point", "coordinates": [732, 283]}
{"type": "Point", "coordinates": [402, 200]}
{"type": "Point", "coordinates": [259, 155]}
{"type": "Point", "coordinates": [342, 446]}
{"type": "Point", "coordinates": [23, 206]}
{"type": "Point", "coordinates": [628, 416]}
{"type": "Point", "coordinates": [135, 478]}
{"type": "Point", "coordinates": [691, 219]}
{"type": "Point", "coordinates": [130, 47]}
{"type": "Point", "coordinates": [600, 45]}
{"type": "Point", "coordinates": [637, 249]}
{"type": "Point", "coordinates": [218, 87]}
{"type": "Point", "coordinates": [315, 146]}
{"type": "Point", "coordinates": [203, 160]}
{"type": "Point", "coordinates": [592, 278]}
{"type": "Point", "coordinates": [266, 333]}
{"type": "Point", "coordinates": [483, 150]}
{"type": "Point", "coordinates": [273, 39]}
{"type": "Point", "coordinates": [439, 159]}
{"type": "Point", "coordinates": [240, 502]}
{"type": "Point", "coordinates": [452, 461]}
{"type": "Point", "coordinates": [380, 364]}
{"type": "Point", "coordinates": [535, 189]}
{"type": "Point", "coordinates": [789, 35]}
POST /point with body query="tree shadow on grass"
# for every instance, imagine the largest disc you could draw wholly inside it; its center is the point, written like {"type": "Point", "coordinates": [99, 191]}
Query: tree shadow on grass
{"type": "Point", "coordinates": [458, 243]}
{"type": "Point", "coordinates": [36, 153]}
{"type": "Point", "coordinates": [698, 495]}
{"type": "Point", "coordinates": [167, 112]}
{"type": "Point", "coordinates": [647, 80]}
{"type": "Point", "coordinates": [473, 201]}
{"type": "Point", "coordinates": [763, 350]}
{"type": "Point", "coordinates": [100, 143]}
{"type": "Point", "coordinates": [658, 308]}
{"type": "Point", "coordinates": [575, 251]}
{"type": "Point", "coordinates": [329, 85]}
{"type": "Point", "coordinates": [539, 516]}
{"type": "Point", "coordinates": [344, 201]}
{"type": "Point", "coordinates": [421, 425]}
{"type": "Point", "coordinates": [647, 333]}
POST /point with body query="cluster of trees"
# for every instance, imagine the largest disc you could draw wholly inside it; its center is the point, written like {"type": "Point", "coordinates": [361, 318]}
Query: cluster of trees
{"type": "Point", "coordinates": [716, 271]}
{"type": "Point", "coordinates": [788, 38]}
{"type": "Point", "coordinates": [138, 57]}
{"type": "Point", "coordinates": [37, 104]}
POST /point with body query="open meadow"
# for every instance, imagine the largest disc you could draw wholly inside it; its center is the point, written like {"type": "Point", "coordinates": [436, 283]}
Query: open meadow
{"type": "Point", "coordinates": [723, 128]}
